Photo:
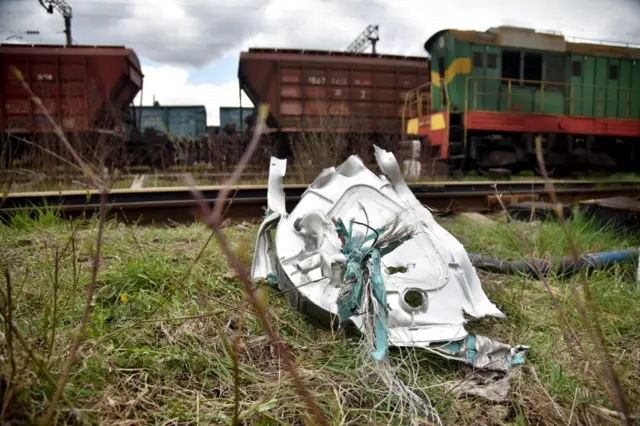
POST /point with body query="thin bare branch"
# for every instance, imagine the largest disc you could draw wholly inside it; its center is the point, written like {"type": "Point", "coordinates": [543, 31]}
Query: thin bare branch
{"type": "Point", "coordinates": [9, 333]}
{"type": "Point", "coordinates": [237, 173]}
{"type": "Point", "coordinates": [85, 316]}
{"type": "Point", "coordinates": [592, 324]}
{"type": "Point", "coordinates": [235, 344]}
{"type": "Point", "coordinates": [23, 342]}
{"type": "Point", "coordinates": [212, 219]}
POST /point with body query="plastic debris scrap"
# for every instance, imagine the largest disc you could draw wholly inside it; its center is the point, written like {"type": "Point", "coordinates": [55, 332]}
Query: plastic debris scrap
{"type": "Point", "coordinates": [306, 254]}
{"type": "Point", "coordinates": [483, 353]}
{"type": "Point", "coordinates": [490, 385]}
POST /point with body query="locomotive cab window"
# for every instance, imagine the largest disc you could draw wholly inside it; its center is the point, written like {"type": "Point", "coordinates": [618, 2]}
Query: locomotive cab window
{"type": "Point", "coordinates": [576, 69]}
{"type": "Point", "coordinates": [492, 61]}
{"type": "Point", "coordinates": [554, 65]}
{"type": "Point", "coordinates": [532, 69]}
{"type": "Point", "coordinates": [510, 66]}
{"type": "Point", "coordinates": [477, 59]}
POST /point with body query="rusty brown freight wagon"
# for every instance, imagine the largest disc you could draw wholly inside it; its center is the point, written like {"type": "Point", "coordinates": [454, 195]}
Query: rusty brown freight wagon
{"type": "Point", "coordinates": [311, 90]}
{"type": "Point", "coordinates": [88, 91]}
{"type": "Point", "coordinates": [85, 88]}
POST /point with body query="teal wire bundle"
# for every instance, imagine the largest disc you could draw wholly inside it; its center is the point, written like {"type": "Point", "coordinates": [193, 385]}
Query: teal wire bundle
{"type": "Point", "coordinates": [363, 267]}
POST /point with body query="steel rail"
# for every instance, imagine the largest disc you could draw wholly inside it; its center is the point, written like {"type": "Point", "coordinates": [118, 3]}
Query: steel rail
{"type": "Point", "coordinates": [248, 201]}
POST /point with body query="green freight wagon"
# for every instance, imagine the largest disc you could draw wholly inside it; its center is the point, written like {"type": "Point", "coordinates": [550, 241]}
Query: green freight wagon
{"type": "Point", "coordinates": [236, 116]}
{"type": "Point", "coordinates": [179, 121]}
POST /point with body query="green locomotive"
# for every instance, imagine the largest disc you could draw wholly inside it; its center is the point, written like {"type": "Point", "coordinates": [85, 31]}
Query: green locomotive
{"type": "Point", "coordinates": [491, 93]}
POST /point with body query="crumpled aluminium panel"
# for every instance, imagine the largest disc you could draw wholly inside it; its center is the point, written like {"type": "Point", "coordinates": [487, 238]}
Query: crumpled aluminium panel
{"type": "Point", "coordinates": [306, 261]}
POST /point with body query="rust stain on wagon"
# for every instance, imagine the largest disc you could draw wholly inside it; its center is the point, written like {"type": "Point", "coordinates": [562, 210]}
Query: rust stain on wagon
{"type": "Point", "coordinates": [314, 90]}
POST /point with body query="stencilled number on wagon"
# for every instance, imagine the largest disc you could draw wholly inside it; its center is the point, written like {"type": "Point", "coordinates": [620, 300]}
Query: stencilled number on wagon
{"type": "Point", "coordinates": [363, 94]}
{"type": "Point", "coordinates": [317, 80]}
{"type": "Point", "coordinates": [338, 92]}
{"type": "Point", "coordinates": [47, 77]}
{"type": "Point", "coordinates": [151, 122]}
{"type": "Point", "coordinates": [339, 81]}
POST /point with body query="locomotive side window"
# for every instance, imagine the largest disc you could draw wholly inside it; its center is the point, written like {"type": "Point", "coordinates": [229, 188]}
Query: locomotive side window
{"type": "Point", "coordinates": [477, 59]}
{"type": "Point", "coordinates": [492, 61]}
{"type": "Point", "coordinates": [555, 69]}
{"type": "Point", "coordinates": [510, 65]}
{"type": "Point", "coordinates": [576, 69]}
{"type": "Point", "coordinates": [532, 68]}
{"type": "Point", "coordinates": [613, 72]}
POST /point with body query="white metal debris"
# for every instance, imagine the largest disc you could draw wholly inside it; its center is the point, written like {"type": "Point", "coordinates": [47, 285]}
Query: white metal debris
{"type": "Point", "coordinates": [306, 252]}
{"type": "Point", "coordinates": [410, 286]}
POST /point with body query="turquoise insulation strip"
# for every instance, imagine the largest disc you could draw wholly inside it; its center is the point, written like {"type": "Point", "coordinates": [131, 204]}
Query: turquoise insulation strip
{"type": "Point", "coordinates": [358, 258]}
{"type": "Point", "coordinates": [380, 293]}
{"type": "Point", "coordinates": [472, 351]}
{"type": "Point", "coordinates": [272, 279]}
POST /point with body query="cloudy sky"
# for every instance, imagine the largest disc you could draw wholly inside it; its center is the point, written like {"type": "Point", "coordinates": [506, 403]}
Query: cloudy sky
{"type": "Point", "coordinates": [189, 48]}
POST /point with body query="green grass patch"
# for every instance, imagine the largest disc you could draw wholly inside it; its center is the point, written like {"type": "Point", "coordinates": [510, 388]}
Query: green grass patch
{"type": "Point", "coordinates": [155, 349]}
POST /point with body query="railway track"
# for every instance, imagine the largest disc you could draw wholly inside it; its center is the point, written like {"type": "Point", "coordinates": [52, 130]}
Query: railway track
{"type": "Point", "coordinates": [247, 202]}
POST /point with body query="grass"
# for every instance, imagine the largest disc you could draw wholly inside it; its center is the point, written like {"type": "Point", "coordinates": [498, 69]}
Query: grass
{"type": "Point", "coordinates": [157, 344]}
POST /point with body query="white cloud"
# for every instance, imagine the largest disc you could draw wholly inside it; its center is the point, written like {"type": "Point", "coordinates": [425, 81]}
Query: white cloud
{"type": "Point", "coordinates": [170, 86]}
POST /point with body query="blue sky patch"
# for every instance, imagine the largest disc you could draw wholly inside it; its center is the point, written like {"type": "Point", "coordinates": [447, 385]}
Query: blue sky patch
{"type": "Point", "coordinates": [217, 73]}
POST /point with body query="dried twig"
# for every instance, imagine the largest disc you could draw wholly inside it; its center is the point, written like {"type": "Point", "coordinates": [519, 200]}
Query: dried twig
{"type": "Point", "coordinates": [564, 317]}
{"type": "Point", "coordinates": [30, 353]}
{"type": "Point", "coordinates": [9, 334]}
{"type": "Point", "coordinates": [570, 334]}
{"type": "Point", "coordinates": [56, 287]}
{"type": "Point", "coordinates": [235, 344]}
{"type": "Point", "coordinates": [592, 324]}
{"type": "Point", "coordinates": [85, 316]}
{"type": "Point", "coordinates": [101, 184]}
{"type": "Point", "coordinates": [212, 219]}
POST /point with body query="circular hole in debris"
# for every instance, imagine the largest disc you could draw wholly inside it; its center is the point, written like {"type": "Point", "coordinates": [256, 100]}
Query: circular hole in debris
{"type": "Point", "coordinates": [414, 298]}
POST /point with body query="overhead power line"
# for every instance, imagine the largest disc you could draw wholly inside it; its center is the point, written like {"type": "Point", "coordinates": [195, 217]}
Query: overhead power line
{"type": "Point", "coordinates": [63, 7]}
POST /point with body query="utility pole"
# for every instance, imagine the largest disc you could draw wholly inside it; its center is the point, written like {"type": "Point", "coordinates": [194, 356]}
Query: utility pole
{"type": "Point", "coordinates": [63, 7]}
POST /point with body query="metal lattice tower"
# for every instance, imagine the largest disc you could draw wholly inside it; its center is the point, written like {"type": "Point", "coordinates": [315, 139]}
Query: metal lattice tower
{"type": "Point", "coordinates": [63, 7]}
{"type": "Point", "coordinates": [369, 36]}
